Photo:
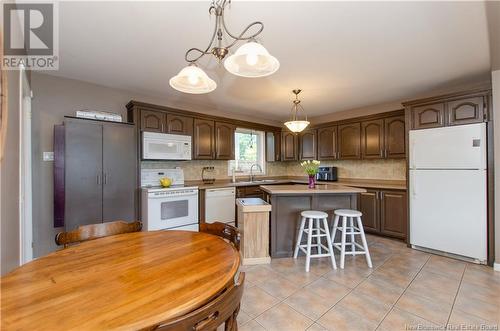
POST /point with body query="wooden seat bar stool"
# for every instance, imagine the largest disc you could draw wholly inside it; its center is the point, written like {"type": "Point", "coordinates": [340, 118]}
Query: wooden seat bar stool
{"type": "Point", "coordinates": [351, 226]}
{"type": "Point", "coordinates": [96, 231]}
{"type": "Point", "coordinates": [315, 225]}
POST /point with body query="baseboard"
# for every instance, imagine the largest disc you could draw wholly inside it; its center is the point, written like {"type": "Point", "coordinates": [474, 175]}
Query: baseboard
{"type": "Point", "coordinates": [496, 266]}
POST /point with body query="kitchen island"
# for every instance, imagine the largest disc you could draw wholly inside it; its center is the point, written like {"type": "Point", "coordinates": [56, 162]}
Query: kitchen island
{"type": "Point", "coordinates": [288, 201]}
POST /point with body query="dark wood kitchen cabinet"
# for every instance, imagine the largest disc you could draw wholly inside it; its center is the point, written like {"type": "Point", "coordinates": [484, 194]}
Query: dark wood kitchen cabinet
{"type": "Point", "coordinates": [99, 172]}
{"type": "Point", "coordinates": [289, 146]}
{"type": "Point", "coordinates": [153, 121]}
{"type": "Point", "coordinates": [349, 141]}
{"type": "Point", "coordinates": [466, 111]}
{"type": "Point", "coordinates": [394, 137]}
{"type": "Point", "coordinates": [307, 145]}
{"type": "Point", "coordinates": [177, 124]}
{"type": "Point", "coordinates": [203, 139]}
{"type": "Point", "coordinates": [428, 116]}
{"type": "Point", "coordinates": [273, 146]}
{"type": "Point", "coordinates": [224, 141]}
{"type": "Point", "coordinates": [372, 139]}
{"type": "Point", "coordinates": [327, 143]}
{"type": "Point", "coordinates": [384, 212]}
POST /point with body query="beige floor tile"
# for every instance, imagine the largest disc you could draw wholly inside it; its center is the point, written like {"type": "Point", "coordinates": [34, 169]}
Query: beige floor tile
{"type": "Point", "coordinates": [339, 318]}
{"type": "Point", "coordinates": [300, 278]}
{"type": "Point", "coordinates": [259, 273]}
{"type": "Point", "coordinates": [243, 317]}
{"type": "Point", "coordinates": [401, 320]}
{"type": "Point", "coordinates": [309, 303]}
{"type": "Point", "coordinates": [488, 310]}
{"type": "Point", "coordinates": [380, 289]}
{"type": "Point", "coordinates": [283, 317]}
{"type": "Point", "coordinates": [251, 325]}
{"type": "Point", "coordinates": [328, 290]}
{"type": "Point", "coordinates": [487, 293]}
{"type": "Point", "coordinates": [435, 286]}
{"type": "Point", "coordinates": [349, 277]}
{"type": "Point", "coordinates": [278, 286]}
{"type": "Point", "coordinates": [434, 311]}
{"type": "Point", "coordinates": [317, 327]}
{"type": "Point", "coordinates": [393, 277]}
{"type": "Point", "coordinates": [459, 317]}
{"type": "Point", "coordinates": [482, 276]}
{"type": "Point", "coordinates": [365, 306]}
{"type": "Point", "coordinates": [255, 301]}
{"type": "Point", "coordinates": [445, 266]}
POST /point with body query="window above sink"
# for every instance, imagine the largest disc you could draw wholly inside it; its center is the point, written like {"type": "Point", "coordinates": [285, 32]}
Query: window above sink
{"type": "Point", "coordinates": [249, 150]}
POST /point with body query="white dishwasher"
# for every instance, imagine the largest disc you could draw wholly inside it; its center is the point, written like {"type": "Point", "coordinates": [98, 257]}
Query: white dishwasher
{"type": "Point", "coordinates": [220, 205]}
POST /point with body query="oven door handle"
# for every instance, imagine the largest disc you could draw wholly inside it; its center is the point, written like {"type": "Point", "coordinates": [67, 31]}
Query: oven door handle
{"type": "Point", "coordinates": [177, 197]}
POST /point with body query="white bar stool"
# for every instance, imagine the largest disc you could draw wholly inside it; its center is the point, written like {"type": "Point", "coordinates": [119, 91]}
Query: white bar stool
{"type": "Point", "coordinates": [317, 227]}
{"type": "Point", "coordinates": [349, 217]}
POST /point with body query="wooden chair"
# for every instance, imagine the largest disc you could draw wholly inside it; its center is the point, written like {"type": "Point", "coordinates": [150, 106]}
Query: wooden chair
{"type": "Point", "coordinates": [223, 230]}
{"type": "Point", "coordinates": [223, 309]}
{"type": "Point", "coordinates": [96, 231]}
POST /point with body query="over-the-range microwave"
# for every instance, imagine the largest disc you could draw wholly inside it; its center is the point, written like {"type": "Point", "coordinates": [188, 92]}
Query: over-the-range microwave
{"type": "Point", "coordinates": [163, 146]}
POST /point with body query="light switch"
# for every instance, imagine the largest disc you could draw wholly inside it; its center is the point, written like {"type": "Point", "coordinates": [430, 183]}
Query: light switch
{"type": "Point", "coordinates": [48, 156]}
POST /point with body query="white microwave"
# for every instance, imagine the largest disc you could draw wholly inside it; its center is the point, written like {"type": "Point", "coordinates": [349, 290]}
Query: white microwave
{"type": "Point", "coordinates": [162, 146]}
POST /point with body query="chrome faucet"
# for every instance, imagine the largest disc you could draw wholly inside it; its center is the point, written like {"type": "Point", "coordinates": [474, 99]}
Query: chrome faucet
{"type": "Point", "coordinates": [252, 176]}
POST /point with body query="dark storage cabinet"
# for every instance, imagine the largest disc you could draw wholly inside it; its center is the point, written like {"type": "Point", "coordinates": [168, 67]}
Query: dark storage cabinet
{"type": "Point", "coordinates": [224, 141]}
{"type": "Point", "coordinates": [383, 138]}
{"type": "Point", "coordinates": [308, 145]}
{"type": "Point", "coordinates": [204, 139]}
{"type": "Point", "coordinates": [289, 148]}
{"type": "Point", "coordinates": [99, 172]}
{"type": "Point", "coordinates": [384, 212]}
{"type": "Point", "coordinates": [273, 146]}
{"type": "Point", "coordinates": [153, 121]}
{"type": "Point", "coordinates": [372, 139]}
{"type": "Point", "coordinates": [466, 111]}
{"type": "Point", "coordinates": [177, 124]}
{"type": "Point", "coordinates": [349, 141]}
{"type": "Point", "coordinates": [395, 137]}
{"type": "Point", "coordinates": [327, 143]}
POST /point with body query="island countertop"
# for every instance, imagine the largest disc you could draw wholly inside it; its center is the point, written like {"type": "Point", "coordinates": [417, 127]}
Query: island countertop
{"type": "Point", "coordinates": [304, 189]}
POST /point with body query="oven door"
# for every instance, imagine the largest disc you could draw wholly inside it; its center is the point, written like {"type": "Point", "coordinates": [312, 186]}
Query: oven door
{"type": "Point", "coordinates": [172, 212]}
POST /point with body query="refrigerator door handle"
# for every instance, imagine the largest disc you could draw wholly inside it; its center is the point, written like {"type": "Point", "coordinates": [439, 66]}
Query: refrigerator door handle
{"type": "Point", "coordinates": [413, 186]}
{"type": "Point", "coordinates": [412, 154]}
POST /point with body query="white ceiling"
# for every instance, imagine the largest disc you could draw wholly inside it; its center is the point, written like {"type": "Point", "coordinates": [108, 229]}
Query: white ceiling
{"type": "Point", "coordinates": [343, 55]}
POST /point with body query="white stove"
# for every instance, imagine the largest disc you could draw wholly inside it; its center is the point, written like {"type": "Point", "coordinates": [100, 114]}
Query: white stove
{"type": "Point", "coordinates": [172, 208]}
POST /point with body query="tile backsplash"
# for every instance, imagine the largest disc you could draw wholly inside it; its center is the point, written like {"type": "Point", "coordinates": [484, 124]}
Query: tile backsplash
{"type": "Point", "coordinates": [364, 169]}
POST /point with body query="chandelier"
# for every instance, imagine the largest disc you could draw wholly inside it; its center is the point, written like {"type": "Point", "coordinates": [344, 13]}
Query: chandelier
{"type": "Point", "coordinates": [295, 124]}
{"type": "Point", "coordinates": [250, 59]}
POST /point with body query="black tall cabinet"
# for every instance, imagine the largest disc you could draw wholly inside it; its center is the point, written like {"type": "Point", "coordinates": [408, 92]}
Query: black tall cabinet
{"type": "Point", "coordinates": [99, 172]}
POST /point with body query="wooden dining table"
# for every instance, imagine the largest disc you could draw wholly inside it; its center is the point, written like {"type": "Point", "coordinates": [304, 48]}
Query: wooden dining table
{"type": "Point", "coordinates": [124, 282]}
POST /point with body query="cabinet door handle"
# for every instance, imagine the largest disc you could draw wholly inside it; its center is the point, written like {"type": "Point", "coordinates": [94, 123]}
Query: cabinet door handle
{"type": "Point", "coordinates": [98, 179]}
{"type": "Point", "coordinates": [162, 127]}
{"type": "Point", "coordinates": [105, 179]}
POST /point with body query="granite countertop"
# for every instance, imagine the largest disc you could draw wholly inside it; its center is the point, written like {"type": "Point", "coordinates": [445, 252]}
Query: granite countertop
{"type": "Point", "coordinates": [365, 183]}
{"type": "Point", "coordinates": [304, 189]}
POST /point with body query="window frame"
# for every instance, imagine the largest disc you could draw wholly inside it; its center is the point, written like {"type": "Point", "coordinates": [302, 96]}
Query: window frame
{"type": "Point", "coordinates": [261, 156]}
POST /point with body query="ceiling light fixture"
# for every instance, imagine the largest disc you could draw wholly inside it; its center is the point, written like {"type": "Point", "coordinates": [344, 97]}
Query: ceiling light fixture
{"type": "Point", "coordinates": [250, 60]}
{"type": "Point", "coordinates": [295, 124]}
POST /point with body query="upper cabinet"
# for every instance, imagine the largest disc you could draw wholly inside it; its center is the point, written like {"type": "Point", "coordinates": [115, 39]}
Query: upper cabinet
{"type": "Point", "coordinates": [372, 139]}
{"type": "Point", "coordinates": [394, 137]}
{"type": "Point", "coordinates": [349, 141]}
{"type": "Point", "coordinates": [203, 139]}
{"type": "Point", "coordinates": [428, 116]}
{"type": "Point", "coordinates": [177, 124]}
{"type": "Point", "coordinates": [452, 109]}
{"type": "Point", "coordinates": [307, 145]}
{"type": "Point", "coordinates": [153, 121]}
{"type": "Point", "coordinates": [224, 141]}
{"type": "Point", "coordinates": [273, 146]}
{"type": "Point", "coordinates": [289, 150]}
{"type": "Point", "coordinates": [327, 143]}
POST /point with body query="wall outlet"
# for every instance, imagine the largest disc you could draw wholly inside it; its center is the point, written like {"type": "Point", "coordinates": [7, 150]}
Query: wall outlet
{"type": "Point", "coordinates": [48, 156]}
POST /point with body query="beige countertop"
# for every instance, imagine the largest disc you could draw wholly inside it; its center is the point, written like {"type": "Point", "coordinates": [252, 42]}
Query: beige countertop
{"type": "Point", "coordinates": [364, 183]}
{"type": "Point", "coordinates": [304, 189]}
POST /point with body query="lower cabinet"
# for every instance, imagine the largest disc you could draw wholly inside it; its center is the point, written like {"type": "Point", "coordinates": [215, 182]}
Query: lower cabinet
{"type": "Point", "coordinates": [249, 192]}
{"type": "Point", "coordinates": [384, 212]}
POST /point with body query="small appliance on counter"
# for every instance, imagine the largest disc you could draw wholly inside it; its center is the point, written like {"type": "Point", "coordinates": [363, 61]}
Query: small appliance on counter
{"type": "Point", "coordinates": [172, 208]}
{"type": "Point", "coordinates": [327, 174]}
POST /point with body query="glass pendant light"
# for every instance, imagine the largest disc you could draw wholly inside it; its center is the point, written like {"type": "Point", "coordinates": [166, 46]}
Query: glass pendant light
{"type": "Point", "coordinates": [251, 60]}
{"type": "Point", "coordinates": [192, 79]}
{"type": "Point", "coordinates": [295, 124]}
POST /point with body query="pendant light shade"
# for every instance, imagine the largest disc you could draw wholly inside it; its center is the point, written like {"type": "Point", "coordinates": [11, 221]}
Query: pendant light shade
{"type": "Point", "coordinates": [192, 79]}
{"type": "Point", "coordinates": [295, 124]}
{"type": "Point", "coordinates": [251, 60]}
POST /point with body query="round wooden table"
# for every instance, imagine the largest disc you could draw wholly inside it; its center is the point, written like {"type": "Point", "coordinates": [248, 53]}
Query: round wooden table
{"type": "Point", "coordinates": [128, 281]}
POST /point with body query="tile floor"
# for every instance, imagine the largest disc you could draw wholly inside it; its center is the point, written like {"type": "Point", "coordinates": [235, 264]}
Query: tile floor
{"type": "Point", "coordinates": [405, 290]}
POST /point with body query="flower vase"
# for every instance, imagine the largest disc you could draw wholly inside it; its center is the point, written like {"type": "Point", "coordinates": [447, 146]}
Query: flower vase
{"type": "Point", "coordinates": [312, 181]}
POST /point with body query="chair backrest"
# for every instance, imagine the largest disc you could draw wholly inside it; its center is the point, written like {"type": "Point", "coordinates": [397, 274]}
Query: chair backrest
{"type": "Point", "coordinates": [96, 231]}
{"type": "Point", "coordinates": [224, 308]}
{"type": "Point", "coordinates": [223, 230]}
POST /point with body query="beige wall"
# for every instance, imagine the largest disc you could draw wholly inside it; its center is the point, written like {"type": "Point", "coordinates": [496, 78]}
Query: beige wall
{"type": "Point", "coordinates": [9, 172]}
{"type": "Point", "coordinates": [496, 128]}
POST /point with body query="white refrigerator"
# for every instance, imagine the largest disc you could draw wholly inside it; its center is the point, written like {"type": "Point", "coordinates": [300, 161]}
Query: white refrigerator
{"type": "Point", "coordinates": [448, 190]}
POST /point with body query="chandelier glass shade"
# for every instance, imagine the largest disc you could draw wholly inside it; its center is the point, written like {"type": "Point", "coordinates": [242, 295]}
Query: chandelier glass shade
{"type": "Point", "coordinates": [250, 60]}
{"type": "Point", "coordinates": [295, 124]}
{"type": "Point", "coordinates": [192, 79]}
